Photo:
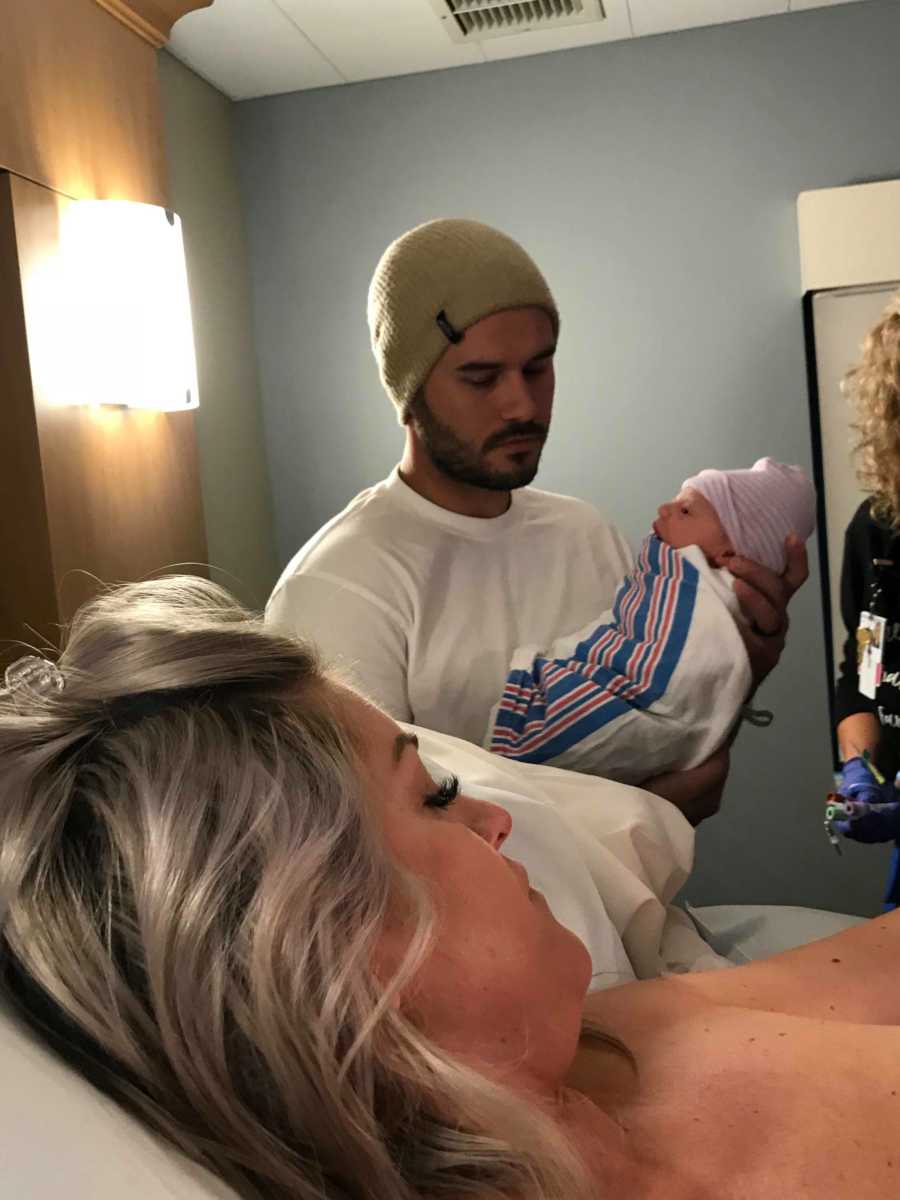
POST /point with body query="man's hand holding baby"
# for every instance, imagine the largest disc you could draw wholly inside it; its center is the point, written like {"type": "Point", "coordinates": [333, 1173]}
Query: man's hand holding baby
{"type": "Point", "coordinates": [763, 597]}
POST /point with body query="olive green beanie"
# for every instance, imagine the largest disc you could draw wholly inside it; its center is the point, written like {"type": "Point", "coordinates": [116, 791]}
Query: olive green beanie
{"type": "Point", "coordinates": [432, 284]}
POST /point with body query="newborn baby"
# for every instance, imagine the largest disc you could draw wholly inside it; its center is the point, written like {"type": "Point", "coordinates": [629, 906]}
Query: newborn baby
{"type": "Point", "coordinates": [657, 682]}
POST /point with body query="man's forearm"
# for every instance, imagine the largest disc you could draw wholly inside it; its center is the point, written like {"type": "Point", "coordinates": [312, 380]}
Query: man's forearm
{"type": "Point", "coordinates": [696, 792]}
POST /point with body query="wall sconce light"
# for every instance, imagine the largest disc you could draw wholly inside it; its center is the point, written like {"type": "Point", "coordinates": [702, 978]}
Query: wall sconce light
{"type": "Point", "coordinates": [128, 329]}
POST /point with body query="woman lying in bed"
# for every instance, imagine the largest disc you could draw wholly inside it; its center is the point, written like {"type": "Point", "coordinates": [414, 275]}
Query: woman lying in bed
{"type": "Point", "coordinates": [232, 897]}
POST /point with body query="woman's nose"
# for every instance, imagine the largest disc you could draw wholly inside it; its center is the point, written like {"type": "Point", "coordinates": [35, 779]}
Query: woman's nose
{"type": "Point", "coordinates": [491, 822]}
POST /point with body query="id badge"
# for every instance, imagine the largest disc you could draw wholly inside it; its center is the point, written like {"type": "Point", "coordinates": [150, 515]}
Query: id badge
{"type": "Point", "coordinates": [869, 652]}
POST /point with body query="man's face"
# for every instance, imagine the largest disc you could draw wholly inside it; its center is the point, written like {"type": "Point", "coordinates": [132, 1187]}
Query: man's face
{"type": "Point", "coordinates": [484, 412]}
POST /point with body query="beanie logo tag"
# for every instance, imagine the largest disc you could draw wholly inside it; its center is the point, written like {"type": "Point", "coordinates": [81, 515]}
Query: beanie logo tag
{"type": "Point", "coordinates": [451, 334]}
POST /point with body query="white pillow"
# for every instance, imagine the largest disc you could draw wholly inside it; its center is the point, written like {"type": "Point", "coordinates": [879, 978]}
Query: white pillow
{"type": "Point", "coordinates": [60, 1139]}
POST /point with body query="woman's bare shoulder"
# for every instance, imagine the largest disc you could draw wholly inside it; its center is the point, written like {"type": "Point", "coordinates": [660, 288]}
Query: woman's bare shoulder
{"type": "Point", "coordinates": [721, 1091]}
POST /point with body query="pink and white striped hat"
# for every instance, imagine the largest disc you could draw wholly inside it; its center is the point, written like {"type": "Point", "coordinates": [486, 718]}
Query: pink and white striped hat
{"type": "Point", "coordinates": [760, 506]}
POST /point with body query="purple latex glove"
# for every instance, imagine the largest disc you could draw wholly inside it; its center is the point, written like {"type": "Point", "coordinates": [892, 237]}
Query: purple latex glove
{"type": "Point", "coordinates": [881, 823]}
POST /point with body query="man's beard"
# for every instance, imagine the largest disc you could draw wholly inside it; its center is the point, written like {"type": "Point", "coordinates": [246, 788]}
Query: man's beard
{"type": "Point", "coordinates": [460, 462]}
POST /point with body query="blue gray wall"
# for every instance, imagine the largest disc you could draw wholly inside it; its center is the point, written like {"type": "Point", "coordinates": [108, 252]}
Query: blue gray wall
{"type": "Point", "coordinates": [655, 182]}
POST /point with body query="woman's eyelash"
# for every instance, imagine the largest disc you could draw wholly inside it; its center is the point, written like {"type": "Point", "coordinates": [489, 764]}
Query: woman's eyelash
{"type": "Point", "coordinates": [447, 791]}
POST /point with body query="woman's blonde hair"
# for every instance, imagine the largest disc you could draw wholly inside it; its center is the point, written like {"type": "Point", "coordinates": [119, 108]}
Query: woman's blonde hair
{"type": "Point", "coordinates": [191, 890]}
{"type": "Point", "coordinates": [874, 388]}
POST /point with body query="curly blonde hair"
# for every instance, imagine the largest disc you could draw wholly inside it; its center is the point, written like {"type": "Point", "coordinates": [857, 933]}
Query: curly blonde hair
{"type": "Point", "coordinates": [873, 386]}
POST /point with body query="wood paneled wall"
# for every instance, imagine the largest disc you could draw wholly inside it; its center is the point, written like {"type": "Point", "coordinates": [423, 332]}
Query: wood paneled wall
{"type": "Point", "coordinates": [85, 494]}
{"type": "Point", "coordinates": [27, 585]}
{"type": "Point", "coordinates": [151, 19]}
{"type": "Point", "coordinates": [80, 109]}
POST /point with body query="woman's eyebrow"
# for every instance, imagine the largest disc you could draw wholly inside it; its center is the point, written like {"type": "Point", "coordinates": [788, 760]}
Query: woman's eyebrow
{"type": "Point", "coordinates": [401, 741]}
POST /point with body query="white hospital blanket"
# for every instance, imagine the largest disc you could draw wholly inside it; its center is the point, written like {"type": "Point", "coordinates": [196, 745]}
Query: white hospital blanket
{"type": "Point", "coordinates": [654, 684]}
{"type": "Point", "coordinates": [636, 850]}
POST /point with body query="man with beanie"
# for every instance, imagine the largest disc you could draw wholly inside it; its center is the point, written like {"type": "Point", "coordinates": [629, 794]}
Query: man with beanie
{"type": "Point", "coordinates": [426, 582]}
{"type": "Point", "coordinates": [657, 683]}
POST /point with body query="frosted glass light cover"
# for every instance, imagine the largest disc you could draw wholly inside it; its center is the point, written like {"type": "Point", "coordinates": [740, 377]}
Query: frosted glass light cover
{"type": "Point", "coordinates": [130, 336]}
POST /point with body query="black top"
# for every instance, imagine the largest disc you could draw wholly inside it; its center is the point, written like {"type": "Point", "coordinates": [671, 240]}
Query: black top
{"type": "Point", "coordinates": [866, 587]}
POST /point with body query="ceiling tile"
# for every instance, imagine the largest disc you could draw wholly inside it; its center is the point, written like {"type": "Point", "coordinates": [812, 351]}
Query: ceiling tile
{"type": "Point", "coordinates": [800, 5]}
{"type": "Point", "coordinates": [249, 48]}
{"type": "Point", "coordinates": [370, 41]}
{"type": "Point", "coordinates": [664, 16]}
{"type": "Point", "coordinates": [518, 45]}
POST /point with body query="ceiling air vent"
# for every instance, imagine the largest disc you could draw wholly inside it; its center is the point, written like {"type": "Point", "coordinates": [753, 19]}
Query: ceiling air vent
{"type": "Point", "coordinates": [477, 20]}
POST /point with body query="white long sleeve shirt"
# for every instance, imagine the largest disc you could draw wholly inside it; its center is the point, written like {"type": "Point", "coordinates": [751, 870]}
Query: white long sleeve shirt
{"type": "Point", "coordinates": [423, 608]}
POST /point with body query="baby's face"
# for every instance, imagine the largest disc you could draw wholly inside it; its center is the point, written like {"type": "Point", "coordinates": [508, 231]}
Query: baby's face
{"type": "Point", "coordinates": [690, 520]}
